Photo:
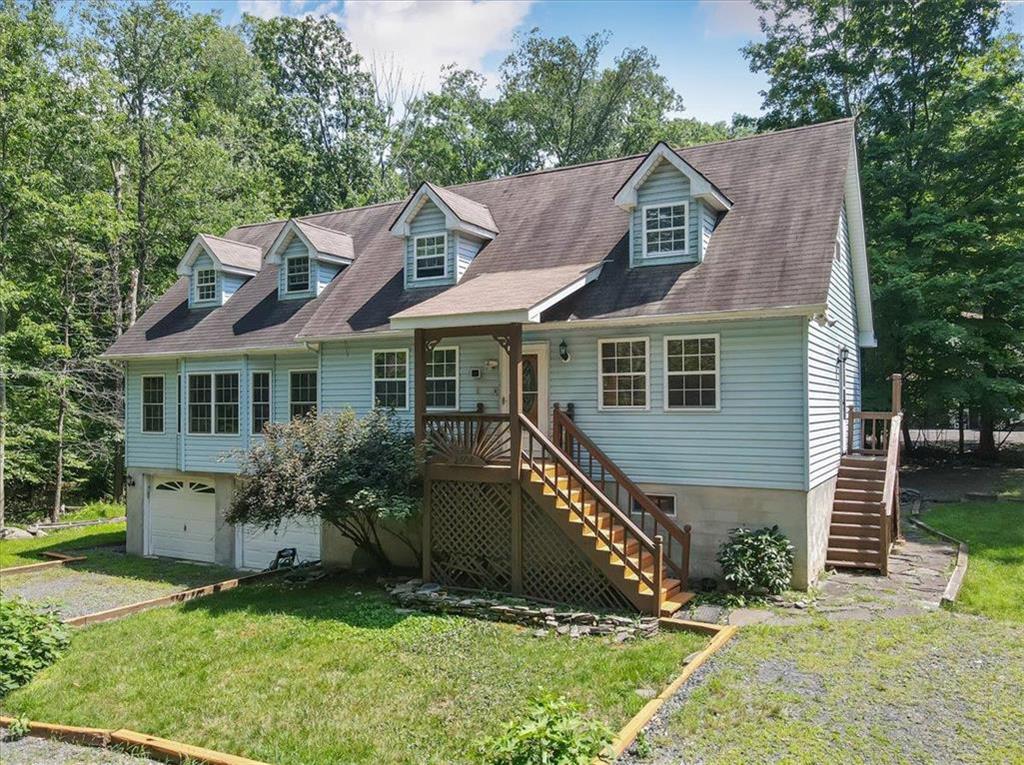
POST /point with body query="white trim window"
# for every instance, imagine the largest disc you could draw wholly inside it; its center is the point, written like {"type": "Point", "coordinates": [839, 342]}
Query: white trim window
{"type": "Point", "coordinates": [213, 403]}
{"type": "Point", "coordinates": [391, 379]}
{"type": "Point", "coordinates": [442, 375]}
{"type": "Point", "coordinates": [302, 392]}
{"type": "Point", "coordinates": [430, 254]}
{"type": "Point", "coordinates": [623, 378]}
{"type": "Point", "coordinates": [260, 395]}
{"type": "Point", "coordinates": [692, 378]}
{"type": "Point", "coordinates": [152, 403]}
{"type": "Point", "coordinates": [206, 285]}
{"type": "Point", "coordinates": [297, 270]}
{"type": "Point", "coordinates": [666, 229]}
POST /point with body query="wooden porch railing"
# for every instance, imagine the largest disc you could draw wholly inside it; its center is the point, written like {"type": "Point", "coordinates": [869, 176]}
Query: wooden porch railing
{"type": "Point", "coordinates": [474, 439]}
{"type": "Point", "coordinates": [577, 492]}
{"type": "Point", "coordinates": [890, 505]}
{"type": "Point", "coordinates": [620, 488]}
{"type": "Point", "coordinates": [875, 430]}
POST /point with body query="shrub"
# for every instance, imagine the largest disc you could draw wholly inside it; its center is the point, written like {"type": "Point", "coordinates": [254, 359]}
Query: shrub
{"type": "Point", "coordinates": [553, 732]}
{"type": "Point", "coordinates": [758, 561]}
{"type": "Point", "coordinates": [30, 640]}
{"type": "Point", "coordinates": [356, 474]}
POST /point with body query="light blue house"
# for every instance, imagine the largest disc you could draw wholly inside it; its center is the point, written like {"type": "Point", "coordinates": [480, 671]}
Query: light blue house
{"type": "Point", "coordinates": [696, 316]}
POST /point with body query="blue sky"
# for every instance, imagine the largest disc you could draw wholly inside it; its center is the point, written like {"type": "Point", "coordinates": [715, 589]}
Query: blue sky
{"type": "Point", "coordinates": [697, 42]}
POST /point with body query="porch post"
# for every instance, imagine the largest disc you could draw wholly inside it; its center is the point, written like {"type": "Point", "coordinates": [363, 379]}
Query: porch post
{"type": "Point", "coordinates": [515, 364]}
{"type": "Point", "coordinates": [419, 403]}
{"type": "Point", "coordinates": [897, 392]}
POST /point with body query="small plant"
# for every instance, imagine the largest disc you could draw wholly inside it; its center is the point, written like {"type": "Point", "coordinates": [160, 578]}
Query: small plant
{"type": "Point", "coordinates": [553, 731]}
{"type": "Point", "coordinates": [642, 745]}
{"type": "Point", "coordinates": [758, 561]}
{"type": "Point", "coordinates": [18, 728]}
{"type": "Point", "coordinates": [30, 640]}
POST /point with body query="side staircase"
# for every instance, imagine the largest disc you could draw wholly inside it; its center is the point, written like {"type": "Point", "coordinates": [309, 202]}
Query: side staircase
{"type": "Point", "coordinates": [643, 552]}
{"type": "Point", "coordinates": [866, 511]}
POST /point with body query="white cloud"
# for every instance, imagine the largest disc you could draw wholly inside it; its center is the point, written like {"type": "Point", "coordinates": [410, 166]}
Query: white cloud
{"type": "Point", "coordinates": [264, 9]}
{"type": "Point", "coordinates": [422, 37]}
{"type": "Point", "coordinates": [731, 18]}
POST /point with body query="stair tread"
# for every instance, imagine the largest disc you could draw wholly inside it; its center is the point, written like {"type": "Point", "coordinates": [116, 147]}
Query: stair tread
{"type": "Point", "coordinates": [670, 605]}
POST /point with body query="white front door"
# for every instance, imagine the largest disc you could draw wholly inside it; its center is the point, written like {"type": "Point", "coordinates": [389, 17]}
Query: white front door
{"type": "Point", "coordinates": [257, 548]}
{"type": "Point", "coordinates": [182, 518]}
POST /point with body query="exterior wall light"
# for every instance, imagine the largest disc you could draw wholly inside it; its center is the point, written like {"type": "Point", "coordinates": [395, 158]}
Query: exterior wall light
{"type": "Point", "coordinates": [563, 351]}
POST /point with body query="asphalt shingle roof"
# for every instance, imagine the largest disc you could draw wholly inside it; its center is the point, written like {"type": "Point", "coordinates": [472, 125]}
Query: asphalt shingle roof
{"type": "Point", "coordinates": [772, 250]}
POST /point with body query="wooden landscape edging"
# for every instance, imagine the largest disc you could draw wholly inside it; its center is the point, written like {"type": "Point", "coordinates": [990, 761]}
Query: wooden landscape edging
{"type": "Point", "coordinates": [59, 559]}
{"type": "Point", "coordinates": [158, 748]}
{"type": "Point", "coordinates": [956, 579]}
{"type": "Point", "coordinates": [165, 600]}
{"type": "Point", "coordinates": [722, 634]}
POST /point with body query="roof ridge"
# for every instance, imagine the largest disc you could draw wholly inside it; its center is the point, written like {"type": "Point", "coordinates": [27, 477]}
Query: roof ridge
{"type": "Point", "coordinates": [322, 228]}
{"type": "Point", "coordinates": [766, 134]}
{"type": "Point", "coordinates": [231, 241]}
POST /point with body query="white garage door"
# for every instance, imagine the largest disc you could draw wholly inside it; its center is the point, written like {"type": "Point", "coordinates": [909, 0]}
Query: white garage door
{"type": "Point", "coordinates": [182, 515]}
{"type": "Point", "coordinates": [258, 548]}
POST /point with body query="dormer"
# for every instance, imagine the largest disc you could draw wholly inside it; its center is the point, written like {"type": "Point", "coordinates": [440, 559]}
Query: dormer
{"type": "Point", "coordinates": [309, 257]}
{"type": "Point", "coordinates": [673, 209]}
{"type": "Point", "coordinates": [443, 232]}
{"type": "Point", "coordinates": [216, 268]}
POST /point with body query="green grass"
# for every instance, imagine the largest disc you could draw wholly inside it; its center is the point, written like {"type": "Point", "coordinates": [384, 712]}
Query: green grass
{"type": "Point", "coordinates": [20, 552]}
{"type": "Point", "coordinates": [994, 533]}
{"type": "Point", "coordinates": [933, 689]}
{"type": "Point", "coordinates": [331, 673]}
{"type": "Point", "coordinates": [95, 511]}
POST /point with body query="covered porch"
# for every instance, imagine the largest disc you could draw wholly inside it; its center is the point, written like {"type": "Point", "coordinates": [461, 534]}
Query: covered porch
{"type": "Point", "coordinates": [519, 500]}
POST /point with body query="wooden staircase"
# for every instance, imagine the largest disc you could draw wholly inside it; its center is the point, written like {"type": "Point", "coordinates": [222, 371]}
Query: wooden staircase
{"type": "Point", "coordinates": [865, 511]}
{"type": "Point", "coordinates": [605, 533]}
{"type": "Point", "coordinates": [855, 536]}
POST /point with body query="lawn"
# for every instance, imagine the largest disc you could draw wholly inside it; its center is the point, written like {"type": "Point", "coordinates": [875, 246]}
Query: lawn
{"type": "Point", "coordinates": [20, 552]}
{"type": "Point", "coordinates": [331, 672]}
{"type": "Point", "coordinates": [933, 689]}
{"type": "Point", "coordinates": [994, 532]}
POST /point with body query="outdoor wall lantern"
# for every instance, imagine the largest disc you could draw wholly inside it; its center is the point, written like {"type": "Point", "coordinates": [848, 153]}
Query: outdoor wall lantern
{"type": "Point", "coordinates": [563, 351]}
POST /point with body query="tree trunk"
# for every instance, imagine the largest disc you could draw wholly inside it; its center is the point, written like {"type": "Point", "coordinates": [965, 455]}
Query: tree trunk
{"type": "Point", "coordinates": [987, 435]}
{"type": "Point", "coordinates": [62, 412]}
{"type": "Point", "coordinates": [960, 427]}
{"type": "Point", "coordinates": [117, 172]}
{"type": "Point", "coordinates": [3, 426]}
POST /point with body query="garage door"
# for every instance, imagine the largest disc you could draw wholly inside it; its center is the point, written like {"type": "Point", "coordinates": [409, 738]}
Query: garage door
{"type": "Point", "coordinates": [182, 515]}
{"type": "Point", "coordinates": [258, 548]}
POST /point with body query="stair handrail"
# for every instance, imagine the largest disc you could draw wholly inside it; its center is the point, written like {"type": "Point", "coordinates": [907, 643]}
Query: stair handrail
{"type": "Point", "coordinates": [563, 424]}
{"type": "Point", "coordinates": [648, 545]}
{"type": "Point", "coordinates": [892, 465]}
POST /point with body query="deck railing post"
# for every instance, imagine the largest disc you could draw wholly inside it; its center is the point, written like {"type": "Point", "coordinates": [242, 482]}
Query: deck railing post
{"type": "Point", "coordinates": [849, 430]}
{"type": "Point", "coordinates": [659, 561]}
{"type": "Point", "coordinates": [897, 392]}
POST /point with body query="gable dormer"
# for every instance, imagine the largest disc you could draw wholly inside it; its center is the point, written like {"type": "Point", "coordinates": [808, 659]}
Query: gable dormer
{"type": "Point", "coordinates": [216, 268]}
{"type": "Point", "coordinates": [673, 209]}
{"type": "Point", "coordinates": [442, 232]}
{"type": "Point", "coordinates": [309, 257]}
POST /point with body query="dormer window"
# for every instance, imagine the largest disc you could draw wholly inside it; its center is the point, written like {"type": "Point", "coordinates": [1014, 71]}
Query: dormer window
{"type": "Point", "coordinates": [298, 274]}
{"type": "Point", "coordinates": [206, 285]}
{"type": "Point", "coordinates": [666, 230]}
{"type": "Point", "coordinates": [431, 256]}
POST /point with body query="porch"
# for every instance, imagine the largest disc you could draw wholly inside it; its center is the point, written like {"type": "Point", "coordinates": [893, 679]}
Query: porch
{"type": "Point", "coordinates": [520, 500]}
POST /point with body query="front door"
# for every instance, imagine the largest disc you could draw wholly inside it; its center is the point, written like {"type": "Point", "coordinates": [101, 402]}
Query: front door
{"type": "Point", "coordinates": [530, 386]}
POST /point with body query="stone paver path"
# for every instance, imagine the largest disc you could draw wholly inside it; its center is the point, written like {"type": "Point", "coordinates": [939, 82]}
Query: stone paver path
{"type": "Point", "coordinates": [919, 568]}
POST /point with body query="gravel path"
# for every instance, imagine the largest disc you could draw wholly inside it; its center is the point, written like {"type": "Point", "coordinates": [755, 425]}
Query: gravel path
{"type": "Point", "coordinates": [39, 751]}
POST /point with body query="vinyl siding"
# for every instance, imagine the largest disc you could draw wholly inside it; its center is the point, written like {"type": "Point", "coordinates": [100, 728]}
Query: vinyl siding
{"type": "Point", "coordinates": [156, 450]}
{"type": "Point", "coordinates": [212, 452]}
{"type": "Point", "coordinates": [231, 284]}
{"type": "Point", "coordinates": [755, 440]}
{"type": "Point", "coordinates": [466, 248]}
{"type": "Point", "coordinates": [663, 186]}
{"type": "Point", "coordinates": [325, 273]}
{"type": "Point", "coordinates": [429, 221]}
{"type": "Point", "coordinates": [825, 419]}
{"type": "Point", "coordinates": [708, 218]}
{"type": "Point", "coordinates": [348, 374]}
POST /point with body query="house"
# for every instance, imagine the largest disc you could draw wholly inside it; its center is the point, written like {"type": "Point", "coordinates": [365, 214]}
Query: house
{"type": "Point", "coordinates": [673, 338]}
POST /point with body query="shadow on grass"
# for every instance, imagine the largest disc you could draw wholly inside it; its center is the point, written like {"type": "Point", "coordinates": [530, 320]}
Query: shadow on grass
{"type": "Point", "coordinates": [343, 598]}
{"type": "Point", "coordinates": [113, 562]}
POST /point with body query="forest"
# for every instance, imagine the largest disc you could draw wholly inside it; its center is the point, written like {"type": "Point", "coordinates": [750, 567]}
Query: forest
{"type": "Point", "coordinates": [128, 127]}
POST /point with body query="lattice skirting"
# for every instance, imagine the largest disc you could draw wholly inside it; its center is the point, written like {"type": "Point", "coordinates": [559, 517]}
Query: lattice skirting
{"type": "Point", "coordinates": [555, 569]}
{"type": "Point", "coordinates": [471, 547]}
{"type": "Point", "coordinates": [471, 535]}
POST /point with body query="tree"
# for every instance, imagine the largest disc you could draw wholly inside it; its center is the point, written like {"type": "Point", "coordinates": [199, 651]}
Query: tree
{"type": "Point", "coordinates": [326, 126]}
{"type": "Point", "coordinates": [937, 94]}
{"type": "Point", "coordinates": [359, 475]}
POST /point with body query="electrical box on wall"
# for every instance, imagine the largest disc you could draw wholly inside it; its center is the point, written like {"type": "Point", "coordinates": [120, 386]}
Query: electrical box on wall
{"type": "Point", "coordinates": [475, 373]}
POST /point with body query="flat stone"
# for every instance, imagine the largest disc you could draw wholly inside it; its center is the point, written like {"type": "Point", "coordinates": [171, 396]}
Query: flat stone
{"type": "Point", "coordinates": [430, 587]}
{"type": "Point", "coordinates": [540, 633]}
{"type": "Point", "coordinates": [742, 617]}
{"type": "Point", "coordinates": [708, 613]}
{"type": "Point", "coordinates": [622, 637]}
{"type": "Point", "coordinates": [563, 629]}
{"type": "Point", "coordinates": [646, 693]}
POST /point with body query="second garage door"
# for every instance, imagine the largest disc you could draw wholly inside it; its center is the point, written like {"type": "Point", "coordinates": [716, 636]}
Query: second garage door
{"type": "Point", "coordinates": [257, 548]}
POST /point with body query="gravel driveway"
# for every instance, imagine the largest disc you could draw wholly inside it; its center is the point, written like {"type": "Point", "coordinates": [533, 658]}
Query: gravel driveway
{"type": "Point", "coordinates": [38, 751]}
{"type": "Point", "coordinates": [106, 580]}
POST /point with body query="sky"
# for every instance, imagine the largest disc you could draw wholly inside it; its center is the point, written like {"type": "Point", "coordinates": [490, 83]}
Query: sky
{"type": "Point", "coordinates": [697, 42]}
